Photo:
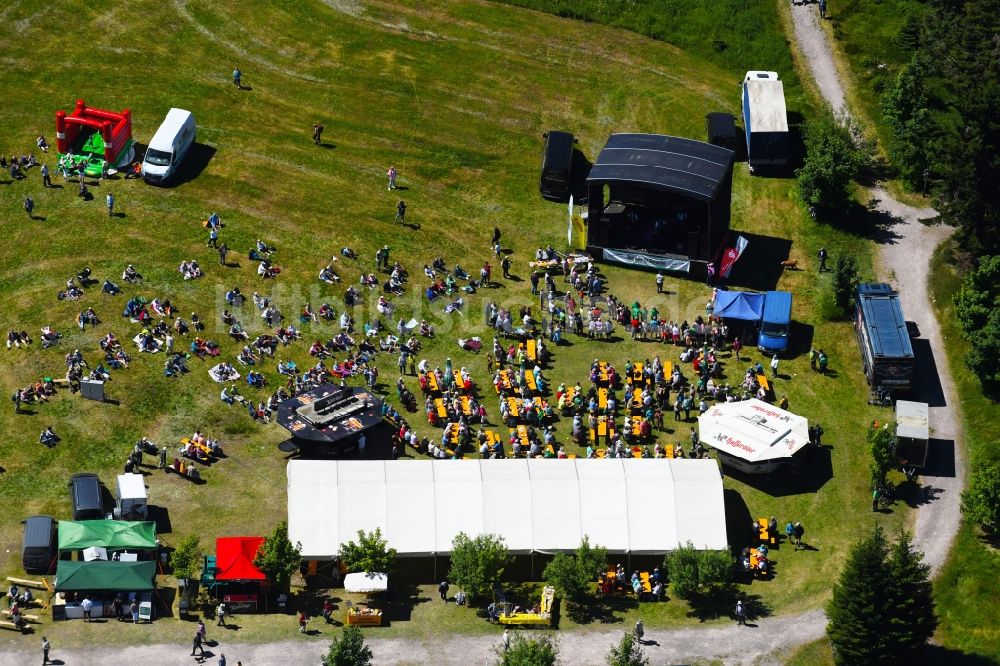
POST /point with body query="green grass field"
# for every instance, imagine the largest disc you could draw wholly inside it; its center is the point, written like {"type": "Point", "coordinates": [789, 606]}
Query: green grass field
{"type": "Point", "coordinates": [456, 96]}
{"type": "Point", "coordinates": [967, 592]}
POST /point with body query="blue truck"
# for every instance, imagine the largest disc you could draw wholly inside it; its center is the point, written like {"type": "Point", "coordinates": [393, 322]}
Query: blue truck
{"type": "Point", "coordinates": [775, 323]}
{"type": "Point", "coordinates": [884, 340]}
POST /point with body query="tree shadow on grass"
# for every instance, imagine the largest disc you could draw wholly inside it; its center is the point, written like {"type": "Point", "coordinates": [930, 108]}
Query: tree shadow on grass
{"type": "Point", "coordinates": [605, 609]}
{"type": "Point", "coordinates": [400, 600]}
{"type": "Point", "coordinates": [938, 654]}
{"type": "Point", "coordinates": [722, 603]}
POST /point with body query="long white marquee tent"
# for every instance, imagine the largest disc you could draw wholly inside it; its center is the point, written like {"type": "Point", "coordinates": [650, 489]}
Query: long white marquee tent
{"type": "Point", "coordinates": [641, 506]}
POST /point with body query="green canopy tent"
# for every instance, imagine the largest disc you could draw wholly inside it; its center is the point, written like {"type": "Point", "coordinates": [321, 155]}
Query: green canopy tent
{"type": "Point", "coordinates": [109, 534]}
{"type": "Point", "coordinates": [102, 576]}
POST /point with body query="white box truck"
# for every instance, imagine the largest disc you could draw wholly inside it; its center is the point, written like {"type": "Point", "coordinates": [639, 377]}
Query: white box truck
{"type": "Point", "coordinates": [130, 497]}
{"type": "Point", "coordinates": [765, 120]}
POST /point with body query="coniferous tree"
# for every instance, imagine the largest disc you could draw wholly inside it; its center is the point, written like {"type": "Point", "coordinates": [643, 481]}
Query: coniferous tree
{"type": "Point", "coordinates": [856, 613]}
{"type": "Point", "coordinates": [910, 601]}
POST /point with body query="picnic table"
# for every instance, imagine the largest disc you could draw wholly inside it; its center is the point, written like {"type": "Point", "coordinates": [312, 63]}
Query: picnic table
{"type": "Point", "coordinates": [602, 372]}
{"type": "Point", "coordinates": [442, 412]}
{"type": "Point", "coordinates": [764, 384]}
{"type": "Point", "coordinates": [602, 398]}
{"type": "Point", "coordinates": [466, 405]}
{"type": "Point", "coordinates": [529, 379]}
{"type": "Point", "coordinates": [522, 435]}
{"type": "Point", "coordinates": [764, 534]}
{"type": "Point", "coordinates": [531, 349]}
{"type": "Point", "coordinates": [637, 398]}
{"type": "Point", "coordinates": [513, 408]}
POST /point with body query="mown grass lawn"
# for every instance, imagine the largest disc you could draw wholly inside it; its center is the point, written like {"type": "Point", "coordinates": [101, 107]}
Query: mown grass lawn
{"type": "Point", "coordinates": [456, 96]}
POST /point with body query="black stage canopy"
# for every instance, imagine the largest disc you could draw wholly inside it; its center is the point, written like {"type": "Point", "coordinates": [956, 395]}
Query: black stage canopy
{"type": "Point", "coordinates": [329, 414]}
{"type": "Point", "coordinates": [685, 167]}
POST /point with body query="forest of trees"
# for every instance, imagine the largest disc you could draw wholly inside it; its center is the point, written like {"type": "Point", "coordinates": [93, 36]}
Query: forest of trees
{"type": "Point", "coordinates": [942, 109]}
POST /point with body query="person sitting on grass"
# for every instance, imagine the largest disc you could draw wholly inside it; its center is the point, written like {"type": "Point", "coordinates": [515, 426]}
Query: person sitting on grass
{"type": "Point", "coordinates": [328, 275]}
{"type": "Point", "coordinates": [48, 437]}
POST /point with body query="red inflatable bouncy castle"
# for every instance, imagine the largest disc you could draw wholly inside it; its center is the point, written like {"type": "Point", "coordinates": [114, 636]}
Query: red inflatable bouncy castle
{"type": "Point", "coordinates": [115, 129]}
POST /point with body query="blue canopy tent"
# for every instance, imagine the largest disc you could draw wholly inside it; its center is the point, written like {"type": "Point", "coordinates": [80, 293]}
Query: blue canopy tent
{"type": "Point", "coordinates": [743, 305]}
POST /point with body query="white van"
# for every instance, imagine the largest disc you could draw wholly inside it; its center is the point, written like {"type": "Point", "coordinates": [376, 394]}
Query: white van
{"type": "Point", "coordinates": [168, 146]}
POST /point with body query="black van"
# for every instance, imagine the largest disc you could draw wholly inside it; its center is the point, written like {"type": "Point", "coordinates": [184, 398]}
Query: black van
{"type": "Point", "coordinates": [38, 550]}
{"type": "Point", "coordinates": [85, 493]}
{"type": "Point", "coordinates": [557, 166]}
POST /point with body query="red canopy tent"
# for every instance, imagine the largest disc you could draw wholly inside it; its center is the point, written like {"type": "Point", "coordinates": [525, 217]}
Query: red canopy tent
{"type": "Point", "coordinates": [237, 581]}
{"type": "Point", "coordinates": [234, 559]}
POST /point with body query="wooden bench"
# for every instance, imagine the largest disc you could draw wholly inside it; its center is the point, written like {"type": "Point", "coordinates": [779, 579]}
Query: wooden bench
{"type": "Point", "coordinates": [27, 582]}
{"type": "Point", "coordinates": [10, 625]}
{"type": "Point", "coordinates": [26, 616]}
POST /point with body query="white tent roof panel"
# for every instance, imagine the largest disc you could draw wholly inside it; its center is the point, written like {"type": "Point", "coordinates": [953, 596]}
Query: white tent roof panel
{"type": "Point", "coordinates": [602, 498]}
{"type": "Point", "coordinates": [555, 505]}
{"type": "Point", "coordinates": [650, 491]}
{"type": "Point", "coordinates": [506, 498]}
{"type": "Point", "coordinates": [640, 506]}
{"type": "Point", "coordinates": [362, 498]}
{"type": "Point", "coordinates": [458, 501]}
{"type": "Point", "coordinates": [697, 521]}
{"type": "Point", "coordinates": [410, 515]}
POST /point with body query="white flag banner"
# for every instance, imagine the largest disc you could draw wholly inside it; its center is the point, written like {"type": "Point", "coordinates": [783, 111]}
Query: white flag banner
{"type": "Point", "coordinates": [569, 229]}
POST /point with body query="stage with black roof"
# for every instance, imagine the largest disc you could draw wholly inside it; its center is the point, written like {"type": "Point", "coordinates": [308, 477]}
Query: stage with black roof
{"type": "Point", "coordinates": [659, 202]}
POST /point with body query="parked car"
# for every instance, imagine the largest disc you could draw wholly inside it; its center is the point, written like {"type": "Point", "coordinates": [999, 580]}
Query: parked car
{"type": "Point", "coordinates": [85, 493]}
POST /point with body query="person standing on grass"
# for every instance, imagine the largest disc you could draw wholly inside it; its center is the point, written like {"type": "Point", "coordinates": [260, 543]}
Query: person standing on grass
{"type": "Point", "coordinates": [223, 249]}
{"type": "Point", "coordinates": [29, 206]}
{"type": "Point", "coordinates": [400, 211]}
{"type": "Point", "coordinates": [134, 608]}
{"type": "Point", "coordinates": [774, 365]}
{"type": "Point", "coordinates": [46, 646]}
{"type": "Point", "coordinates": [110, 199]}
{"type": "Point", "coordinates": [822, 9]}
{"type": "Point", "coordinates": [737, 346]}
{"type": "Point", "coordinates": [659, 283]}
{"type": "Point", "coordinates": [318, 133]}
{"type": "Point", "coordinates": [220, 613]}
{"type": "Point", "coordinates": [46, 180]}
{"type": "Point", "coordinates": [790, 532]}
{"type": "Point", "coordinates": [741, 614]}
{"type": "Point", "coordinates": [443, 590]}
{"type": "Point", "coordinates": [213, 238]}
{"type": "Point", "coordinates": [822, 260]}
{"type": "Point", "coordinates": [238, 78]}
{"type": "Point", "coordinates": [303, 621]}
{"type": "Point", "coordinates": [799, 531]}
{"type": "Point", "coordinates": [505, 267]}
{"type": "Point", "coordinates": [87, 605]}
{"type": "Point", "coordinates": [391, 175]}
{"type": "Point", "coordinates": [196, 644]}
